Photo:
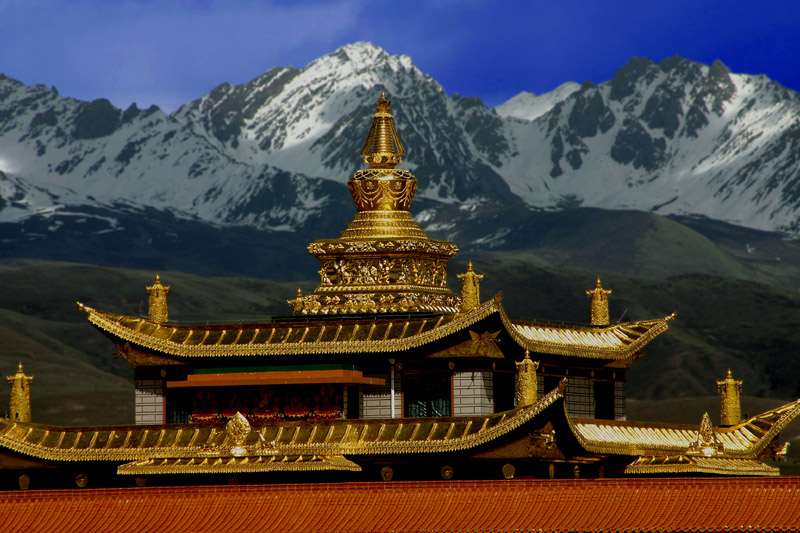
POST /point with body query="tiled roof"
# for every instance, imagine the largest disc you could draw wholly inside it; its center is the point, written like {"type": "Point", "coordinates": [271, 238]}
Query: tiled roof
{"type": "Point", "coordinates": [381, 334]}
{"type": "Point", "coordinates": [616, 341]}
{"type": "Point", "coordinates": [646, 505]}
{"type": "Point", "coordinates": [744, 440]}
{"type": "Point", "coordinates": [331, 438]}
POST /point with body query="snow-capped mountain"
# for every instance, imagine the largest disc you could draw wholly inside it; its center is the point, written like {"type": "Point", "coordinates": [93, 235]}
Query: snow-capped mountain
{"type": "Point", "coordinates": [674, 137]}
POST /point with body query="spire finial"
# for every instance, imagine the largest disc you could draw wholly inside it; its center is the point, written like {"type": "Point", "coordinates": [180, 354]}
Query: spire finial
{"type": "Point", "coordinates": [599, 305]}
{"type": "Point", "coordinates": [526, 381]}
{"type": "Point", "coordinates": [20, 404]}
{"type": "Point", "coordinates": [157, 305]}
{"type": "Point", "coordinates": [470, 289]}
{"type": "Point", "coordinates": [730, 390]}
{"type": "Point", "coordinates": [383, 148]}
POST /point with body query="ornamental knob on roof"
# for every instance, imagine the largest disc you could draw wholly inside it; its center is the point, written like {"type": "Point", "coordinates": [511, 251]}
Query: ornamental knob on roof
{"type": "Point", "coordinates": [20, 405]}
{"type": "Point", "coordinates": [383, 262]}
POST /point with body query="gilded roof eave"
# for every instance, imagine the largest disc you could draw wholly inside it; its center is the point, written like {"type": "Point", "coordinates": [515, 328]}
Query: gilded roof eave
{"type": "Point", "coordinates": [205, 444]}
{"type": "Point", "coordinates": [310, 342]}
{"type": "Point", "coordinates": [237, 465]}
{"type": "Point", "coordinates": [618, 341]}
{"type": "Point", "coordinates": [744, 441]}
{"type": "Point", "coordinates": [683, 464]}
{"type": "Point", "coordinates": [378, 335]}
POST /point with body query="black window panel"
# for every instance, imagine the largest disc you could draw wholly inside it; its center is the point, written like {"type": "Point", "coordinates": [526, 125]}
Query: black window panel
{"type": "Point", "coordinates": [352, 403]}
{"type": "Point", "coordinates": [503, 391]}
{"type": "Point", "coordinates": [604, 400]}
{"type": "Point", "coordinates": [427, 394]}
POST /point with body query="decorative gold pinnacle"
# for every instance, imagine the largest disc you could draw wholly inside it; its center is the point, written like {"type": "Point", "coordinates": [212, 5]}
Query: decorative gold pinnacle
{"type": "Point", "coordinates": [706, 442]}
{"type": "Point", "coordinates": [527, 393]}
{"type": "Point", "coordinates": [383, 148]}
{"type": "Point", "coordinates": [599, 305]}
{"type": "Point", "coordinates": [730, 403]}
{"type": "Point", "coordinates": [158, 311]}
{"type": "Point", "coordinates": [470, 289]}
{"type": "Point", "coordinates": [383, 262]}
{"type": "Point", "coordinates": [20, 404]}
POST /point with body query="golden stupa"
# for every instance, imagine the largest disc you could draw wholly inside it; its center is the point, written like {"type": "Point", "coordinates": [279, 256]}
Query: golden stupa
{"type": "Point", "coordinates": [383, 262]}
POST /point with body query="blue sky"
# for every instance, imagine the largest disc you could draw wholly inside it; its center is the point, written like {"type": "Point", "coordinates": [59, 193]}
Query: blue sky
{"type": "Point", "coordinates": [169, 52]}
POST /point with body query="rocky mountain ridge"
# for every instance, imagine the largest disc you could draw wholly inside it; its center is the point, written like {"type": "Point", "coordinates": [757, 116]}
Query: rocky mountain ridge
{"type": "Point", "coordinates": [674, 138]}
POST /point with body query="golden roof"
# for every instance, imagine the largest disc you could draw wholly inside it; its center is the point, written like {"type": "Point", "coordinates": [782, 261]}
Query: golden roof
{"type": "Point", "coordinates": [742, 441]}
{"type": "Point", "coordinates": [378, 334]}
{"type": "Point", "coordinates": [682, 464]}
{"type": "Point", "coordinates": [236, 465]}
{"type": "Point", "coordinates": [280, 446]}
{"type": "Point", "coordinates": [611, 342]}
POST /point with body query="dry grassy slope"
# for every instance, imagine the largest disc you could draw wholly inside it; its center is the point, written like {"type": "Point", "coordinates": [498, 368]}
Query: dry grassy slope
{"type": "Point", "coordinates": [76, 378]}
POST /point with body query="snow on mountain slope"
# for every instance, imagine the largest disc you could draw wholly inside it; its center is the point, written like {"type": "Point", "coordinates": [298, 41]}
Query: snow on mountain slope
{"type": "Point", "coordinates": [528, 106]}
{"type": "Point", "coordinates": [676, 137]}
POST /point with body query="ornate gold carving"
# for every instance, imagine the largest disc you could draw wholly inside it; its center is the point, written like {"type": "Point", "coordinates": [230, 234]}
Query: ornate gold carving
{"type": "Point", "coordinates": [138, 358]}
{"type": "Point", "coordinates": [482, 344]}
{"type": "Point", "coordinates": [470, 289]}
{"type": "Point", "coordinates": [526, 381]}
{"type": "Point", "coordinates": [384, 190]}
{"type": "Point", "coordinates": [730, 405]}
{"type": "Point", "coordinates": [157, 295]}
{"type": "Point", "coordinates": [706, 442]}
{"type": "Point", "coordinates": [542, 441]}
{"type": "Point", "coordinates": [383, 262]}
{"type": "Point", "coordinates": [383, 148]}
{"type": "Point", "coordinates": [20, 404]}
{"type": "Point", "coordinates": [599, 305]}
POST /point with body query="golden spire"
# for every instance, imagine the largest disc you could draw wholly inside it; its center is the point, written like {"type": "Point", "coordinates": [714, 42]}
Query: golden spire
{"type": "Point", "coordinates": [158, 310]}
{"type": "Point", "coordinates": [470, 289]}
{"type": "Point", "coordinates": [526, 381]}
{"type": "Point", "coordinates": [383, 148]}
{"type": "Point", "coordinates": [20, 405]}
{"type": "Point", "coordinates": [599, 305]}
{"type": "Point", "coordinates": [383, 262]}
{"type": "Point", "coordinates": [730, 412]}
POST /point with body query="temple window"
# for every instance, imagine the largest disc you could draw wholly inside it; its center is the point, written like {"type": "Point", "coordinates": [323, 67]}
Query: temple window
{"type": "Point", "coordinates": [427, 394]}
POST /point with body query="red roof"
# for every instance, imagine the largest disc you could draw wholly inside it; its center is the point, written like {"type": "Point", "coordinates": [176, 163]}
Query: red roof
{"type": "Point", "coordinates": [687, 504]}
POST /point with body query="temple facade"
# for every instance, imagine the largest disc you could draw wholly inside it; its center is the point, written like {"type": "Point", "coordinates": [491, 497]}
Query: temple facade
{"type": "Point", "coordinates": [383, 366]}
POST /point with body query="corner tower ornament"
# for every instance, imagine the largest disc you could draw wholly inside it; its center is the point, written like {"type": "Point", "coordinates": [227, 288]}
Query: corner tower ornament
{"type": "Point", "coordinates": [730, 404]}
{"type": "Point", "coordinates": [383, 262]}
{"type": "Point", "coordinates": [157, 305]}
{"type": "Point", "coordinates": [470, 289]}
{"type": "Point", "coordinates": [599, 305]}
{"type": "Point", "coordinates": [20, 404]}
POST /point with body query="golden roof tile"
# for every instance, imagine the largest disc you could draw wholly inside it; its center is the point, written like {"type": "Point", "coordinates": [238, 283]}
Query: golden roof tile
{"type": "Point", "coordinates": [610, 342]}
{"type": "Point", "coordinates": [235, 465]}
{"type": "Point", "coordinates": [212, 448]}
{"type": "Point", "coordinates": [381, 334]}
{"type": "Point", "coordinates": [682, 464]}
{"type": "Point", "coordinates": [743, 441]}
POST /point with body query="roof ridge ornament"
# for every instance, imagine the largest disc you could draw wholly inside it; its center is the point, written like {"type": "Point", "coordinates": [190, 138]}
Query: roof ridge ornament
{"type": "Point", "coordinates": [706, 442]}
{"type": "Point", "coordinates": [730, 400]}
{"type": "Point", "coordinates": [20, 403]}
{"type": "Point", "coordinates": [599, 305]}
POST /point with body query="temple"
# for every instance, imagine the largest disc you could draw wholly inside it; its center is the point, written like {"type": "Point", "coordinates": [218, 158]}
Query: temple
{"type": "Point", "coordinates": [382, 372]}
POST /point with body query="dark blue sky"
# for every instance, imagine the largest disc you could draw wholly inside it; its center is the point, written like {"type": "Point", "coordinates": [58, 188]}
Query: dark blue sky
{"type": "Point", "coordinates": [169, 52]}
